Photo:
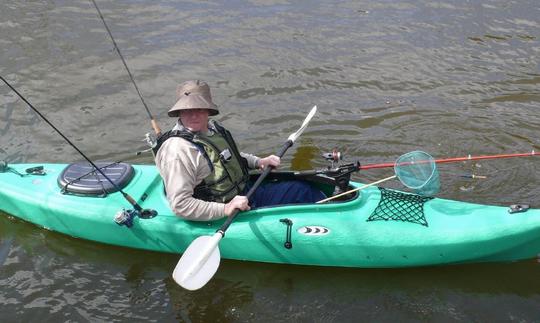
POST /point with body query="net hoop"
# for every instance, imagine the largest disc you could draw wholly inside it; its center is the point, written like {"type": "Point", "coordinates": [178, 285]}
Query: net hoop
{"type": "Point", "coordinates": [418, 171]}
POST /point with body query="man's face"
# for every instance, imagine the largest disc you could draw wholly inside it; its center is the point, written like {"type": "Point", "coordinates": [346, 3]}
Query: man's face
{"type": "Point", "coordinates": [195, 119]}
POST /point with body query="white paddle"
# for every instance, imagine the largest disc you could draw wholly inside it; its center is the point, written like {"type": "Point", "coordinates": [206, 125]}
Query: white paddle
{"type": "Point", "coordinates": [201, 259]}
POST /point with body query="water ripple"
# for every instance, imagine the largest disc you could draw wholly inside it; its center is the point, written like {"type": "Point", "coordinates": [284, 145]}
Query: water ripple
{"type": "Point", "coordinates": [450, 78]}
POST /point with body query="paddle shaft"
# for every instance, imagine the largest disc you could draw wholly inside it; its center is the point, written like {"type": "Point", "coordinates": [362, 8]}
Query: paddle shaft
{"type": "Point", "coordinates": [126, 196]}
{"type": "Point", "coordinates": [253, 188]}
{"type": "Point", "coordinates": [454, 160]}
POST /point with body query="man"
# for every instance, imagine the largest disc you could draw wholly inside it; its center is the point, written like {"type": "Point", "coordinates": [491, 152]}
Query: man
{"type": "Point", "coordinates": [204, 173]}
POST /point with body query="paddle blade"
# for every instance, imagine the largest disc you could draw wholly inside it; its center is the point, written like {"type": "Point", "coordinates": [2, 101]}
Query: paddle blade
{"type": "Point", "coordinates": [199, 262]}
{"type": "Point", "coordinates": [304, 125]}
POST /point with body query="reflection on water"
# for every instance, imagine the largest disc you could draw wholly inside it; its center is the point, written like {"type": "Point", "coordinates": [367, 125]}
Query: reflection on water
{"type": "Point", "coordinates": [65, 278]}
{"type": "Point", "coordinates": [451, 79]}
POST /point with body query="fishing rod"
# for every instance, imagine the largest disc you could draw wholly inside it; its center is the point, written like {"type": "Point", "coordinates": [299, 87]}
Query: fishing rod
{"type": "Point", "coordinates": [456, 159]}
{"type": "Point", "coordinates": [344, 171]}
{"type": "Point", "coordinates": [153, 121]}
{"type": "Point", "coordinates": [130, 199]}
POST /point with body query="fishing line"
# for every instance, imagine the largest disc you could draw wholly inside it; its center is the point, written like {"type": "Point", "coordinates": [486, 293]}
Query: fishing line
{"type": "Point", "coordinates": [157, 130]}
{"type": "Point", "coordinates": [126, 196]}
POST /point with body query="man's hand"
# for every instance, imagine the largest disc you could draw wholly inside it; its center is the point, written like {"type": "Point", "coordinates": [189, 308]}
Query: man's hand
{"type": "Point", "coordinates": [238, 202]}
{"type": "Point", "coordinates": [271, 160]}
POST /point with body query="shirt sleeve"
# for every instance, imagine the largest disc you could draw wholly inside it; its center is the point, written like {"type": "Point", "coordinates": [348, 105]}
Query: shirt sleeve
{"type": "Point", "coordinates": [252, 160]}
{"type": "Point", "coordinates": [182, 167]}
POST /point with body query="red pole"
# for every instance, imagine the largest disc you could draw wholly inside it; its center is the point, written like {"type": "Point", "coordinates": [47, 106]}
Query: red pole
{"type": "Point", "coordinates": [456, 159]}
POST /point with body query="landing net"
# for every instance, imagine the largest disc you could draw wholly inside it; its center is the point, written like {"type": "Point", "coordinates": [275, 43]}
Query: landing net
{"type": "Point", "coordinates": [418, 171]}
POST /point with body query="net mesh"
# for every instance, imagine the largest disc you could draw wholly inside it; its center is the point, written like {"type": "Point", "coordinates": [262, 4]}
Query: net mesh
{"type": "Point", "coordinates": [398, 206]}
{"type": "Point", "coordinates": [418, 171]}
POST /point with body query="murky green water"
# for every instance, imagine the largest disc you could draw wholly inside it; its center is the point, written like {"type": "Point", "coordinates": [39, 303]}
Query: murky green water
{"type": "Point", "coordinates": [451, 78]}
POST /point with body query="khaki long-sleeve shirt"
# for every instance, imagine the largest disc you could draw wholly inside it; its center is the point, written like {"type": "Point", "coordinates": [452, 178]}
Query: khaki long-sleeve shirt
{"type": "Point", "coordinates": [182, 167]}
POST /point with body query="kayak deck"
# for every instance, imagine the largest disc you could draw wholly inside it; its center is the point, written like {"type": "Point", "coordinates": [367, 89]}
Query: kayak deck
{"type": "Point", "coordinates": [339, 233]}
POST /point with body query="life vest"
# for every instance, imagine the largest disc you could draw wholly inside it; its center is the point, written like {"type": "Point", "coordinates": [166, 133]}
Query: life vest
{"type": "Point", "coordinates": [228, 170]}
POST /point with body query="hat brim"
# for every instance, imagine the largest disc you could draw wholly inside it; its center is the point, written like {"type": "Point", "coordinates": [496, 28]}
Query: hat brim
{"type": "Point", "coordinates": [193, 101]}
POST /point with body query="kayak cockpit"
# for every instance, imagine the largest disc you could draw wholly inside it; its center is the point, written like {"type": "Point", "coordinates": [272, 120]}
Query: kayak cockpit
{"type": "Point", "coordinates": [330, 186]}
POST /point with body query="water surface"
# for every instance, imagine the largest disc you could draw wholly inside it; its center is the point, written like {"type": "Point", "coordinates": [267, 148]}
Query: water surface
{"type": "Point", "coordinates": [451, 78]}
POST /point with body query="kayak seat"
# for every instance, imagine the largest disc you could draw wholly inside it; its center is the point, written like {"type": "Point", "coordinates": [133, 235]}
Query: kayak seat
{"type": "Point", "coordinates": [82, 179]}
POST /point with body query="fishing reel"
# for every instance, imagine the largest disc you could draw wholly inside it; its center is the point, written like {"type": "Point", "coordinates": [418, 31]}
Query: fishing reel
{"type": "Point", "coordinates": [125, 217]}
{"type": "Point", "coordinates": [333, 157]}
{"type": "Point", "coordinates": [151, 141]}
{"type": "Point", "coordinates": [340, 173]}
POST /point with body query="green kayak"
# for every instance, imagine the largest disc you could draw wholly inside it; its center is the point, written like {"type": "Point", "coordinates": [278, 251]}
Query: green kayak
{"type": "Point", "coordinates": [374, 227]}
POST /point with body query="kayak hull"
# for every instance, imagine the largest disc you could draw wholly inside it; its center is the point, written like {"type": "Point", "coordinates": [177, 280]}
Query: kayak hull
{"type": "Point", "coordinates": [333, 234]}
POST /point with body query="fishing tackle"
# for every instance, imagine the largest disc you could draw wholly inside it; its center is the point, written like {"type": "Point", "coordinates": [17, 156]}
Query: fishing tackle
{"type": "Point", "coordinates": [124, 194]}
{"type": "Point", "coordinates": [38, 170]}
{"type": "Point", "coordinates": [125, 217]}
{"type": "Point", "coordinates": [459, 159]}
{"type": "Point", "coordinates": [4, 167]}
{"type": "Point", "coordinates": [333, 157]}
{"type": "Point", "coordinates": [473, 176]}
{"type": "Point", "coordinates": [151, 141]}
{"type": "Point", "coordinates": [518, 208]}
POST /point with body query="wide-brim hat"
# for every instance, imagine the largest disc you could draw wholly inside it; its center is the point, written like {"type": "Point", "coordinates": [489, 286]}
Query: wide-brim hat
{"type": "Point", "coordinates": [193, 95]}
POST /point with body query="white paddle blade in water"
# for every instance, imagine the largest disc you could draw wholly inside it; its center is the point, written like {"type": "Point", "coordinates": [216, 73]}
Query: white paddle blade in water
{"type": "Point", "coordinates": [297, 134]}
{"type": "Point", "coordinates": [199, 262]}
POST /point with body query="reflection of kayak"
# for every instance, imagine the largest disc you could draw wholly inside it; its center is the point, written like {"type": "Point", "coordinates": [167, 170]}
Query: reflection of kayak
{"type": "Point", "coordinates": [376, 228]}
